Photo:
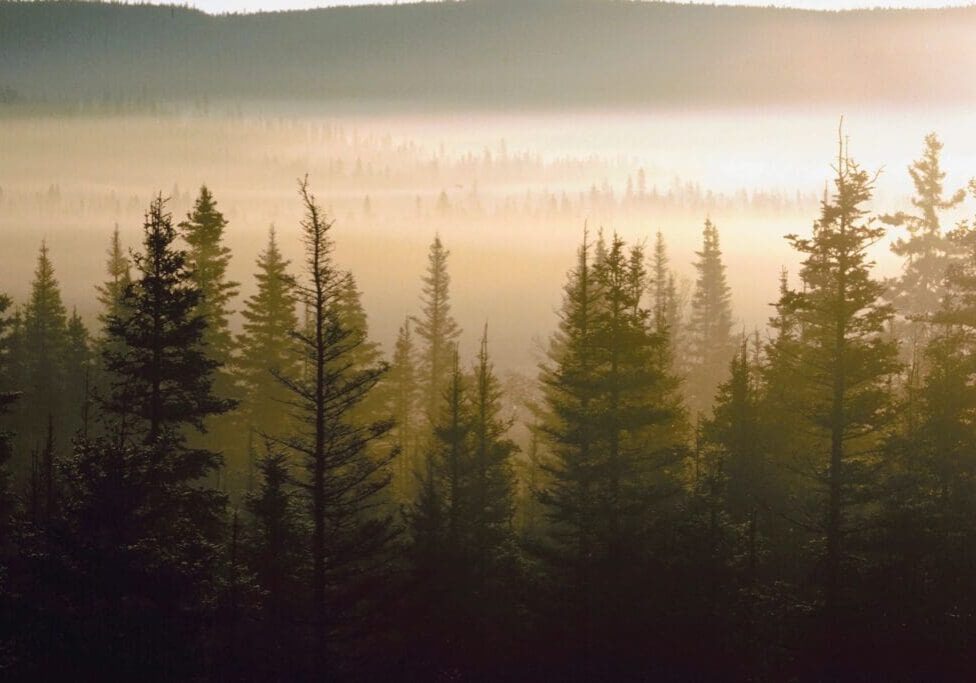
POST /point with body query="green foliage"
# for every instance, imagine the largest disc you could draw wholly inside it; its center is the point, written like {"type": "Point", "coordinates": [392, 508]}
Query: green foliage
{"type": "Point", "coordinates": [710, 326]}
{"type": "Point", "coordinates": [436, 328]}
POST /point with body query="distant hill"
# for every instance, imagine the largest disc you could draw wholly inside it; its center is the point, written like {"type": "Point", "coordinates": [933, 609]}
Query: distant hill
{"type": "Point", "coordinates": [501, 53]}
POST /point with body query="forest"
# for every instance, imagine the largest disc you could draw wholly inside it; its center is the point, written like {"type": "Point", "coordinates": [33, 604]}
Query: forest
{"type": "Point", "coordinates": [205, 486]}
{"type": "Point", "coordinates": [484, 53]}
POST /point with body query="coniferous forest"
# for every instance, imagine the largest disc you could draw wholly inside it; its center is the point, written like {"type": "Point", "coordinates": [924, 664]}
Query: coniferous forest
{"type": "Point", "coordinates": [689, 500]}
{"type": "Point", "coordinates": [487, 341]}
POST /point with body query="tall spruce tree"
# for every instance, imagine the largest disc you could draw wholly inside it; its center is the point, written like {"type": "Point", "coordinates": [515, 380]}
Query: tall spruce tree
{"type": "Point", "coordinates": [927, 250]}
{"type": "Point", "coordinates": [118, 267]}
{"type": "Point", "coordinates": [843, 364]}
{"type": "Point", "coordinates": [161, 378]}
{"type": "Point", "coordinates": [267, 349]}
{"type": "Point", "coordinates": [345, 477]}
{"type": "Point", "coordinates": [436, 327]}
{"type": "Point", "coordinates": [711, 345]}
{"type": "Point", "coordinates": [400, 385]}
{"type": "Point", "coordinates": [41, 360]}
{"type": "Point", "coordinates": [273, 550]}
{"type": "Point", "coordinates": [8, 396]}
{"type": "Point", "coordinates": [207, 260]}
{"type": "Point", "coordinates": [613, 426]}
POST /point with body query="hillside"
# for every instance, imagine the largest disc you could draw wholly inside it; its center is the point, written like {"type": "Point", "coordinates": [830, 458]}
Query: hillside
{"type": "Point", "coordinates": [480, 53]}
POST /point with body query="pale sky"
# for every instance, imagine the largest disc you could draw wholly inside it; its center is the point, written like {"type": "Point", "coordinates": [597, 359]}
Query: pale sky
{"type": "Point", "coordinates": [218, 6]}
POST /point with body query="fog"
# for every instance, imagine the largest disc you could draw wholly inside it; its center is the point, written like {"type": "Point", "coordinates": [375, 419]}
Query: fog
{"type": "Point", "coordinates": [508, 193]}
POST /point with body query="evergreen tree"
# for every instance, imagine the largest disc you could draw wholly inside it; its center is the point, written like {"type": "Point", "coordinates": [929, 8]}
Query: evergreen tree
{"type": "Point", "coordinates": [436, 328]}
{"type": "Point", "coordinates": [403, 397]}
{"type": "Point", "coordinates": [274, 552]}
{"type": "Point", "coordinates": [345, 477]}
{"type": "Point", "coordinates": [207, 260]}
{"type": "Point", "coordinates": [118, 267]}
{"type": "Point", "coordinates": [41, 359]}
{"type": "Point", "coordinates": [8, 396]}
{"type": "Point", "coordinates": [78, 375]}
{"type": "Point", "coordinates": [613, 424]}
{"type": "Point", "coordinates": [492, 495]}
{"type": "Point", "coordinates": [267, 349]}
{"type": "Point", "coordinates": [710, 327]}
{"type": "Point", "coordinates": [162, 379]}
{"type": "Point", "coordinates": [843, 364]}
{"type": "Point", "coordinates": [927, 250]}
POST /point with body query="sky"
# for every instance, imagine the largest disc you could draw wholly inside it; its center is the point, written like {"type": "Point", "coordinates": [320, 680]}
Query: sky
{"type": "Point", "coordinates": [219, 6]}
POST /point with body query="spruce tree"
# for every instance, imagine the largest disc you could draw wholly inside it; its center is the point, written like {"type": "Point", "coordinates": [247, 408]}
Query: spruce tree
{"type": "Point", "coordinates": [161, 378]}
{"type": "Point", "coordinates": [436, 328]}
{"type": "Point", "coordinates": [927, 250]}
{"type": "Point", "coordinates": [710, 327]}
{"type": "Point", "coordinates": [614, 428]}
{"type": "Point", "coordinates": [273, 549]}
{"type": "Point", "coordinates": [78, 364]}
{"type": "Point", "coordinates": [8, 396]}
{"type": "Point", "coordinates": [345, 477]}
{"type": "Point", "coordinates": [118, 269]}
{"type": "Point", "coordinates": [207, 260]}
{"type": "Point", "coordinates": [493, 482]}
{"type": "Point", "coordinates": [843, 364]}
{"type": "Point", "coordinates": [267, 349]}
{"type": "Point", "coordinates": [41, 358]}
{"type": "Point", "coordinates": [400, 386]}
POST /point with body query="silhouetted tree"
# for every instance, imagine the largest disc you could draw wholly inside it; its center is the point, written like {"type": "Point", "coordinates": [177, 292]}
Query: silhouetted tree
{"type": "Point", "coordinates": [436, 328]}
{"type": "Point", "coordinates": [267, 349]}
{"type": "Point", "coordinates": [710, 326]}
{"type": "Point", "coordinates": [345, 477]}
{"type": "Point", "coordinates": [843, 363]}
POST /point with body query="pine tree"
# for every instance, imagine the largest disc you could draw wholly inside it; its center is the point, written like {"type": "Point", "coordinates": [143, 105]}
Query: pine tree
{"type": "Point", "coordinates": [710, 327]}
{"type": "Point", "coordinates": [345, 476]}
{"type": "Point", "coordinates": [436, 328]}
{"type": "Point", "coordinates": [843, 363]}
{"type": "Point", "coordinates": [267, 349]}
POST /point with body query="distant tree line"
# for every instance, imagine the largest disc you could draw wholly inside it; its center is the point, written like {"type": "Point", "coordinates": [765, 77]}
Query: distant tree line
{"type": "Point", "coordinates": [689, 500]}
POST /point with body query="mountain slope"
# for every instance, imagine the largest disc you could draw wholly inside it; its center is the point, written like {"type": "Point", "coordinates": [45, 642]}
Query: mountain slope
{"type": "Point", "coordinates": [504, 53]}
